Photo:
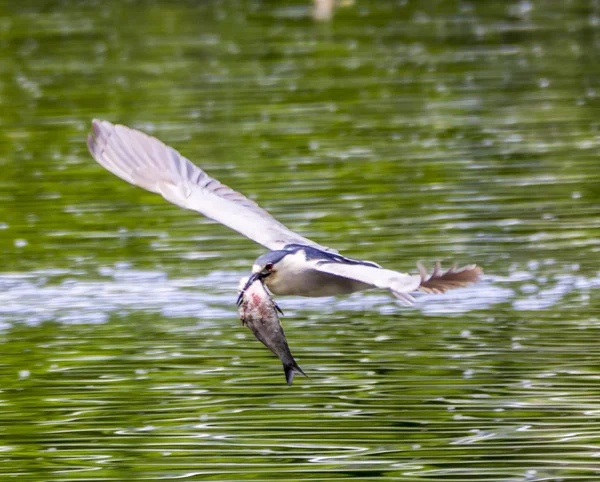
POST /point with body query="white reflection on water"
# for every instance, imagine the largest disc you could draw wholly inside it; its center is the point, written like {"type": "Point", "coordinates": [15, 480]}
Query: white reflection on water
{"type": "Point", "coordinates": [69, 297]}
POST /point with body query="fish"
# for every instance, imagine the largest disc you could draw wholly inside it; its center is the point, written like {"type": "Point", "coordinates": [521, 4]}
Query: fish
{"type": "Point", "coordinates": [258, 311]}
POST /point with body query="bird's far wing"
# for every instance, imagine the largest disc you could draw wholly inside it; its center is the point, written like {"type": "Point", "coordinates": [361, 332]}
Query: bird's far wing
{"type": "Point", "coordinates": [145, 161]}
{"type": "Point", "coordinates": [400, 284]}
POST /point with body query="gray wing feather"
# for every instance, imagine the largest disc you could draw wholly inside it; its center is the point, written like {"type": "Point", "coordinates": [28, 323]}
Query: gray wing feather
{"type": "Point", "coordinates": [400, 284]}
{"type": "Point", "coordinates": [145, 161]}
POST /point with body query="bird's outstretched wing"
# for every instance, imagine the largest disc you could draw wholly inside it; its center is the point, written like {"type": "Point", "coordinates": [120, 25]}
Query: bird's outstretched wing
{"type": "Point", "coordinates": [401, 284]}
{"type": "Point", "coordinates": [145, 161]}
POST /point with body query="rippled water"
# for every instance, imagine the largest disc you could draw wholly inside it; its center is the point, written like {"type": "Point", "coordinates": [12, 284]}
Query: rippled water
{"type": "Point", "coordinates": [398, 132]}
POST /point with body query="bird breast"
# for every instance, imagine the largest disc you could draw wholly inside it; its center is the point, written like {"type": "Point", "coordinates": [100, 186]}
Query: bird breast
{"type": "Point", "coordinates": [295, 275]}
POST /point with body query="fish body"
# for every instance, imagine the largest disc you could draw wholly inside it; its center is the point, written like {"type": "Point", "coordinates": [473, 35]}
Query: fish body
{"type": "Point", "coordinates": [259, 313]}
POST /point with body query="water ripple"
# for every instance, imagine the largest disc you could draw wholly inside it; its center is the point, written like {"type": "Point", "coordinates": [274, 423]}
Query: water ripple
{"type": "Point", "coordinates": [70, 297]}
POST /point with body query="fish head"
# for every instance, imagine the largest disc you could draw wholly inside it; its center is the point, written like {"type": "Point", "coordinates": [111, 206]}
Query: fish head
{"type": "Point", "coordinates": [251, 290]}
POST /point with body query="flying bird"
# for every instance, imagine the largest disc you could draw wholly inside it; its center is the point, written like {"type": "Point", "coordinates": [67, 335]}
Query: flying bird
{"type": "Point", "coordinates": [294, 265]}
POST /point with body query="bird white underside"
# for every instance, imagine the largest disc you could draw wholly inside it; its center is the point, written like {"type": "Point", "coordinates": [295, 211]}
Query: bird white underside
{"type": "Point", "coordinates": [295, 275]}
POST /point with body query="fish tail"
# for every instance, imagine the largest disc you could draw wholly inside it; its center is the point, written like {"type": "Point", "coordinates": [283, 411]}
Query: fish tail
{"type": "Point", "coordinates": [289, 370]}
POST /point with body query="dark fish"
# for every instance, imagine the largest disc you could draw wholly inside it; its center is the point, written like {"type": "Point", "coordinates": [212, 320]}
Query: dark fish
{"type": "Point", "coordinates": [259, 313]}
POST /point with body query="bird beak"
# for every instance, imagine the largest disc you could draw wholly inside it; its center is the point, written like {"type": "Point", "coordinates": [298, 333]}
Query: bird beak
{"type": "Point", "coordinates": [251, 280]}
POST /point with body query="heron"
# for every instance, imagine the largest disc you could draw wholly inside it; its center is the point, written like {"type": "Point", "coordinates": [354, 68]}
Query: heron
{"type": "Point", "coordinates": [294, 265]}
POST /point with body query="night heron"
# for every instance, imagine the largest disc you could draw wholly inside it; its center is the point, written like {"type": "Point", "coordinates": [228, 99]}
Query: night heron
{"type": "Point", "coordinates": [295, 265]}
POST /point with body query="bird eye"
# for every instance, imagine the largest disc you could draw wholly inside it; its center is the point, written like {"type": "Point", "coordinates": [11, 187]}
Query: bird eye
{"type": "Point", "coordinates": [269, 266]}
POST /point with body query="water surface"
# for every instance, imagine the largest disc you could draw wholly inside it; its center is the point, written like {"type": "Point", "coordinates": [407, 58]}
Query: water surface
{"type": "Point", "coordinates": [398, 132]}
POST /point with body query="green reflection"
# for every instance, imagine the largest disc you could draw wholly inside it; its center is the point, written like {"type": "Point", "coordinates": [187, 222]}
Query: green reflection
{"type": "Point", "coordinates": [399, 131]}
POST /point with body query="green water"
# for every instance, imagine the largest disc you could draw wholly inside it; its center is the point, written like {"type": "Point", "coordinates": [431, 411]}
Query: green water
{"type": "Point", "coordinates": [400, 131]}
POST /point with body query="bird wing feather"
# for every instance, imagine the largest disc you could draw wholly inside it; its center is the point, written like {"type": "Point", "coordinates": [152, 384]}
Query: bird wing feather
{"type": "Point", "coordinates": [146, 162]}
{"type": "Point", "coordinates": [441, 281]}
{"type": "Point", "coordinates": [400, 284]}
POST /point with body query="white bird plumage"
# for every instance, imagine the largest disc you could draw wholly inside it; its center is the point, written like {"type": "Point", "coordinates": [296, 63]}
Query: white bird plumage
{"type": "Point", "coordinates": [146, 162]}
{"type": "Point", "coordinates": [302, 267]}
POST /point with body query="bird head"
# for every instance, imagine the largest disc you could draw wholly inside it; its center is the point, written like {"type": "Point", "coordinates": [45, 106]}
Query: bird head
{"type": "Point", "coordinates": [264, 266]}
